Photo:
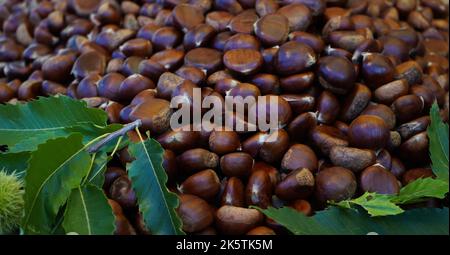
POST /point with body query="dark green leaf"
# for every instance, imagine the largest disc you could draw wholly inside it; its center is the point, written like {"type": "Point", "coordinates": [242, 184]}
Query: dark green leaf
{"type": "Point", "coordinates": [55, 168]}
{"type": "Point", "coordinates": [156, 203]}
{"type": "Point", "coordinates": [340, 221]}
{"type": "Point", "coordinates": [438, 136]}
{"type": "Point", "coordinates": [88, 212]}
{"type": "Point", "coordinates": [14, 162]}
{"type": "Point", "coordinates": [24, 126]}
{"type": "Point", "coordinates": [375, 204]}
{"type": "Point", "coordinates": [421, 189]}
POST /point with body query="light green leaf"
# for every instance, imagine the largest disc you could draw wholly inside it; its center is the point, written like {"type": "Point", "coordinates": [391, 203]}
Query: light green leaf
{"type": "Point", "coordinates": [24, 126]}
{"type": "Point", "coordinates": [88, 212]}
{"type": "Point", "coordinates": [438, 136]}
{"type": "Point", "coordinates": [421, 189]}
{"type": "Point", "coordinates": [156, 203]}
{"type": "Point", "coordinates": [14, 162]}
{"type": "Point", "coordinates": [375, 204]}
{"type": "Point", "coordinates": [55, 168]}
{"type": "Point", "coordinates": [340, 221]}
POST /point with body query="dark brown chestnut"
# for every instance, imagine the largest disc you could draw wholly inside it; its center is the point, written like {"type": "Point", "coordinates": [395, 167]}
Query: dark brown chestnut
{"type": "Point", "coordinates": [204, 184]}
{"type": "Point", "coordinates": [378, 179]}
{"type": "Point", "coordinates": [335, 184]}
{"type": "Point", "coordinates": [369, 132]}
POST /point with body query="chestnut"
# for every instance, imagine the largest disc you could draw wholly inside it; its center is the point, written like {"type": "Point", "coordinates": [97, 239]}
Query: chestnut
{"type": "Point", "coordinates": [416, 173]}
{"type": "Point", "coordinates": [179, 140]}
{"type": "Point", "coordinates": [121, 223]}
{"type": "Point", "coordinates": [233, 192]}
{"type": "Point", "coordinates": [355, 102]}
{"type": "Point", "coordinates": [259, 189]}
{"type": "Point", "coordinates": [335, 184]}
{"type": "Point", "coordinates": [271, 171]}
{"type": "Point", "coordinates": [389, 92]}
{"type": "Point", "coordinates": [301, 125]}
{"type": "Point", "coordinates": [274, 146]}
{"type": "Point", "coordinates": [111, 174]}
{"type": "Point", "coordinates": [415, 149]}
{"type": "Point", "coordinates": [154, 114]}
{"type": "Point", "coordinates": [382, 111]}
{"type": "Point", "coordinates": [223, 142]}
{"type": "Point", "coordinates": [194, 160]}
{"type": "Point", "coordinates": [122, 192]}
{"type": "Point", "coordinates": [414, 127]}
{"type": "Point", "coordinates": [237, 164]}
{"type": "Point", "coordinates": [352, 158]}
{"type": "Point", "coordinates": [231, 220]}
{"type": "Point", "coordinates": [299, 184]}
{"type": "Point", "coordinates": [397, 167]}
{"type": "Point", "coordinates": [325, 137]}
{"type": "Point", "coordinates": [195, 213]}
{"type": "Point", "coordinates": [379, 180]}
{"type": "Point", "coordinates": [377, 69]}
{"type": "Point", "coordinates": [204, 184]}
{"type": "Point", "coordinates": [410, 71]}
{"type": "Point", "coordinates": [299, 156]}
{"type": "Point", "coordinates": [336, 74]}
{"type": "Point", "coordinates": [369, 132]}
{"type": "Point", "coordinates": [327, 108]}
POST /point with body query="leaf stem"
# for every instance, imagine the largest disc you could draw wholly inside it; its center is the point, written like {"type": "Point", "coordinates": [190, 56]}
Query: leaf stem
{"type": "Point", "coordinates": [128, 127]}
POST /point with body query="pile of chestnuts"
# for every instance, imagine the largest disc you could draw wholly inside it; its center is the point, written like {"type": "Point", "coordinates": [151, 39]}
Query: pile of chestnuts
{"type": "Point", "coordinates": [354, 81]}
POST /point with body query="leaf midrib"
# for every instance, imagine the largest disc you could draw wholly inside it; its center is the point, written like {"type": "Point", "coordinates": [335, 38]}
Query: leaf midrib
{"type": "Point", "coordinates": [21, 129]}
{"type": "Point", "coordinates": [85, 211]}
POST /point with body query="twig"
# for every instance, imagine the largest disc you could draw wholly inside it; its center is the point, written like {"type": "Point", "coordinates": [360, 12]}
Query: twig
{"type": "Point", "coordinates": [128, 127]}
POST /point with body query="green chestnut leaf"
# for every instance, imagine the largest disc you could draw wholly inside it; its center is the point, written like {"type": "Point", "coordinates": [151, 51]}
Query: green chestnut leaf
{"type": "Point", "coordinates": [24, 126]}
{"type": "Point", "coordinates": [88, 212]}
{"type": "Point", "coordinates": [156, 203]}
{"type": "Point", "coordinates": [438, 136]}
{"type": "Point", "coordinates": [341, 221]}
{"type": "Point", "coordinates": [56, 168]}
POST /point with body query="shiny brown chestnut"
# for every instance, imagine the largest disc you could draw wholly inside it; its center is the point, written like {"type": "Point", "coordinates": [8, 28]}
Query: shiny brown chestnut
{"type": "Point", "coordinates": [325, 137]}
{"type": "Point", "coordinates": [299, 184]}
{"type": "Point", "coordinates": [382, 111]}
{"type": "Point", "coordinates": [231, 220]}
{"type": "Point", "coordinates": [195, 213]}
{"type": "Point", "coordinates": [194, 160]}
{"type": "Point", "coordinates": [122, 192]}
{"type": "Point", "coordinates": [223, 142]}
{"type": "Point", "coordinates": [274, 146]}
{"type": "Point", "coordinates": [258, 191]}
{"type": "Point", "coordinates": [369, 132]}
{"type": "Point", "coordinates": [154, 114]}
{"type": "Point", "coordinates": [335, 184]}
{"type": "Point", "coordinates": [237, 164]}
{"type": "Point", "coordinates": [355, 102]}
{"type": "Point", "coordinates": [407, 107]}
{"type": "Point", "coordinates": [204, 184]}
{"type": "Point", "coordinates": [328, 108]}
{"type": "Point", "coordinates": [233, 192]}
{"type": "Point", "coordinates": [416, 173]}
{"type": "Point", "coordinates": [299, 156]}
{"type": "Point", "coordinates": [379, 180]}
{"type": "Point", "coordinates": [336, 74]}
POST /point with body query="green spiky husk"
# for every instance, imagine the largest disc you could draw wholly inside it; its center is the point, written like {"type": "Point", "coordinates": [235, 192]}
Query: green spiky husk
{"type": "Point", "coordinates": [11, 202]}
